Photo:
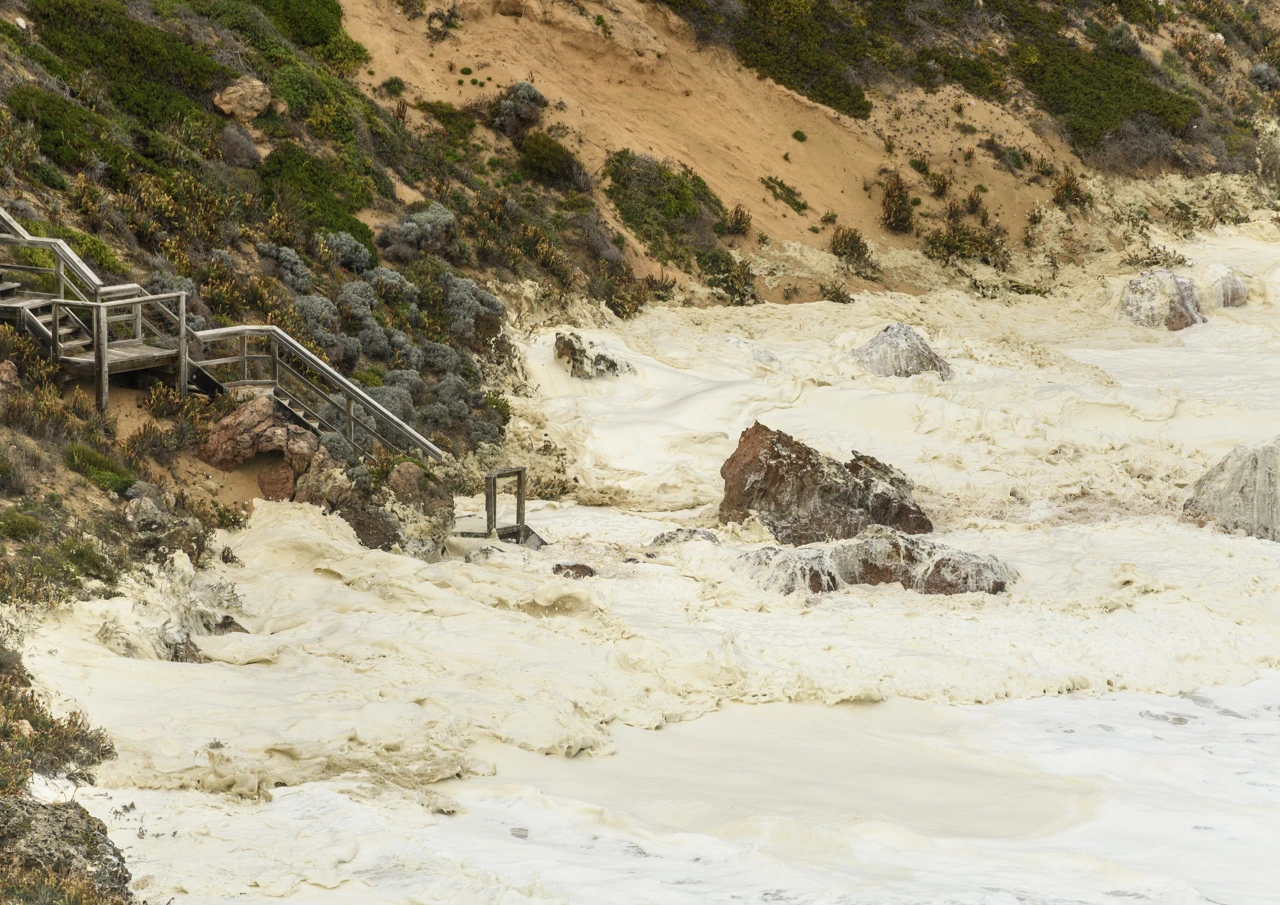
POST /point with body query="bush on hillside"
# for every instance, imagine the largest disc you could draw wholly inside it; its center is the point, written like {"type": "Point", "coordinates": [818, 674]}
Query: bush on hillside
{"type": "Point", "coordinates": [547, 161]}
{"type": "Point", "coordinates": [671, 210]}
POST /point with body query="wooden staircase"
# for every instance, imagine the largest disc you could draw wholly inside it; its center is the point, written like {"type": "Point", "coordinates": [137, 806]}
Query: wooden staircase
{"type": "Point", "coordinates": [90, 328]}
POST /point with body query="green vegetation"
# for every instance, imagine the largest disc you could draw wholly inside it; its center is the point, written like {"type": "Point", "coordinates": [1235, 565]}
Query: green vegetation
{"type": "Point", "coordinates": [1093, 92]}
{"type": "Point", "coordinates": [322, 192]}
{"type": "Point", "coordinates": [545, 160]}
{"type": "Point", "coordinates": [806, 45]}
{"type": "Point", "coordinates": [100, 469]}
{"type": "Point", "coordinates": [670, 210]}
{"type": "Point", "coordinates": [736, 222]}
{"type": "Point", "coordinates": [848, 244]}
{"type": "Point", "coordinates": [799, 136]}
{"type": "Point", "coordinates": [150, 74]}
{"type": "Point", "coordinates": [787, 194]}
{"type": "Point", "coordinates": [18, 526]}
{"type": "Point", "coordinates": [895, 206]}
{"type": "Point", "coordinates": [311, 23]}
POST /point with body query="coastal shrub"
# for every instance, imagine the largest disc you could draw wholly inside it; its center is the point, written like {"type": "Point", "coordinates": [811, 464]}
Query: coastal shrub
{"type": "Point", "coordinates": [100, 469]}
{"type": "Point", "coordinates": [70, 136]}
{"type": "Point", "coordinates": [895, 206]}
{"type": "Point", "coordinates": [290, 268]}
{"type": "Point", "coordinates": [152, 74]}
{"type": "Point", "coordinates": [433, 229]}
{"type": "Point", "coordinates": [736, 222]}
{"type": "Point", "coordinates": [667, 207]}
{"type": "Point", "coordinates": [465, 304]}
{"type": "Point", "coordinates": [962, 241]}
{"type": "Point", "coordinates": [518, 110]}
{"type": "Point", "coordinates": [347, 251]}
{"type": "Point", "coordinates": [16, 525]}
{"type": "Point", "coordinates": [848, 244]}
{"type": "Point", "coordinates": [787, 194]}
{"type": "Point", "coordinates": [547, 161]}
{"type": "Point", "coordinates": [310, 23]}
{"type": "Point", "coordinates": [1093, 92]}
{"type": "Point", "coordinates": [1069, 191]}
{"type": "Point", "coordinates": [324, 192]}
{"type": "Point", "coordinates": [806, 45]}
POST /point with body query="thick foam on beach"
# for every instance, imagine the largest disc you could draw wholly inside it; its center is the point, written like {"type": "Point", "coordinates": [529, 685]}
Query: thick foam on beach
{"type": "Point", "coordinates": [671, 730]}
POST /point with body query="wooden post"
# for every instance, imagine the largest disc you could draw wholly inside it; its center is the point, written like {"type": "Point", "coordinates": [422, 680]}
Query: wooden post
{"type": "Point", "coordinates": [137, 322]}
{"type": "Point", "coordinates": [520, 478]}
{"type": "Point", "coordinates": [101, 357]}
{"type": "Point", "coordinates": [490, 504]}
{"type": "Point", "coordinates": [351, 422]}
{"type": "Point", "coordinates": [275, 361]}
{"type": "Point", "coordinates": [56, 326]}
{"type": "Point", "coordinates": [244, 356]}
{"type": "Point", "coordinates": [62, 277]}
{"type": "Point", "coordinates": [183, 374]}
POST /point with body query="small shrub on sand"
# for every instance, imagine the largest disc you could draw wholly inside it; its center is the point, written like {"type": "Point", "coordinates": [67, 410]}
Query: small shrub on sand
{"type": "Point", "coordinates": [736, 222]}
{"type": "Point", "coordinates": [852, 249]}
{"type": "Point", "coordinates": [895, 206]}
{"type": "Point", "coordinates": [1069, 191]}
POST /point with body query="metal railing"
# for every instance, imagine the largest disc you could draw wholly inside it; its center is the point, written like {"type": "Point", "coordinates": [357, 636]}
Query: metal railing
{"type": "Point", "coordinates": [266, 356]}
{"type": "Point", "coordinates": [151, 330]}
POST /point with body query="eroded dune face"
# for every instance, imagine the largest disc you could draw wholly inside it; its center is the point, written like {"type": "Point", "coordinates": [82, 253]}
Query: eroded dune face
{"type": "Point", "coordinates": [305, 760]}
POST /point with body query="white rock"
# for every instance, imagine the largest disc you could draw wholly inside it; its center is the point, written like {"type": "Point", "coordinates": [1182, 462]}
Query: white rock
{"type": "Point", "coordinates": [899, 351]}
{"type": "Point", "coordinates": [1242, 491]}
{"type": "Point", "coordinates": [1221, 287]}
{"type": "Point", "coordinates": [1160, 298]}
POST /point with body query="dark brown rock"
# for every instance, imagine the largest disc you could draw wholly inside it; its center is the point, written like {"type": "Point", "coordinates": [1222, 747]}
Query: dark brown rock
{"type": "Point", "coordinates": [376, 528]}
{"type": "Point", "coordinates": [575, 570]}
{"type": "Point", "coordinates": [881, 556]}
{"type": "Point", "coordinates": [228, 626]}
{"type": "Point", "coordinates": [277, 482]}
{"type": "Point", "coordinates": [583, 361]}
{"type": "Point", "coordinates": [805, 497]}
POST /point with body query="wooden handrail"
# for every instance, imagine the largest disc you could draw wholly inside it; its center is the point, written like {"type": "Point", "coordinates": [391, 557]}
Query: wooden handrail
{"type": "Point", "coordinates": [353, 392]}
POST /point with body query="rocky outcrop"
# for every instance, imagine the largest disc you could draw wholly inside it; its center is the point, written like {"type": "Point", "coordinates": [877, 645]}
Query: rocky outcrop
{"type": "Point", "coordinates": [255, 428]}
{"type": "Point", "coordinates": [1160, 298]}
{"type": "Point", "coordinates": [1242, 491]}
{"type": "Point", "coordinates": [158, 531]}
{"type": "Point", "coordinates": [583, 361]}
{"type": "Point", "coordinates": [1221, 287]}
{"type": "Point", "coordinates": [803, 496]}
{"type": "Point", "coordinates": [574, 570]}
{"type": "Point", "coordinates": [244, 99]}
{"type": "Point", "coordinates": [252, 429]}
{"type": "Point", "coordinates": [65, 840]}
{"type": "Point", "coordinates": [411, 511]}
{"type": "Point", "coordinates": [880, 556]}
{"type": "Point", "coordinates": [9, 381]}
{"type": "Point", "coordinates": [899, 351]}
{"type": "Point", "coordinates": [684, 535]}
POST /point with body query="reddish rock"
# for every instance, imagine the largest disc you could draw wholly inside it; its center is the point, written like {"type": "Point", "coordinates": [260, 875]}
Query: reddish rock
{"type": "Point", "coordinates": [881, 556]}
{"type": "Point", "coordinates": [806, 497]}
{"type": "Point", "coordinates": [255, 428]}
{"type": "Point", "coordinates": [277, 482]}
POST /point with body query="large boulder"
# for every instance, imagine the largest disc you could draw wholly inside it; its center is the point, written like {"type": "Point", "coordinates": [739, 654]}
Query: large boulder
{"type": "Point", "coordinates": [245, 99]}
{"type": "Point", "coordinates": [880, 556]}
{"type": "Point", "coordinates": [256, 428]}
{"type": "Point", "coordinates": [1161, 298]}
{"type": "Point", "coordinates": [1221, 287]}
{"type": "Point", "coordinates": [1242, 491]}
{"type": "Point", "coordinates": [899, 351]}
{"type": "Point", "coordinates": [804, 496]}
{"type": "Point", "coordinates": [582, 359]}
